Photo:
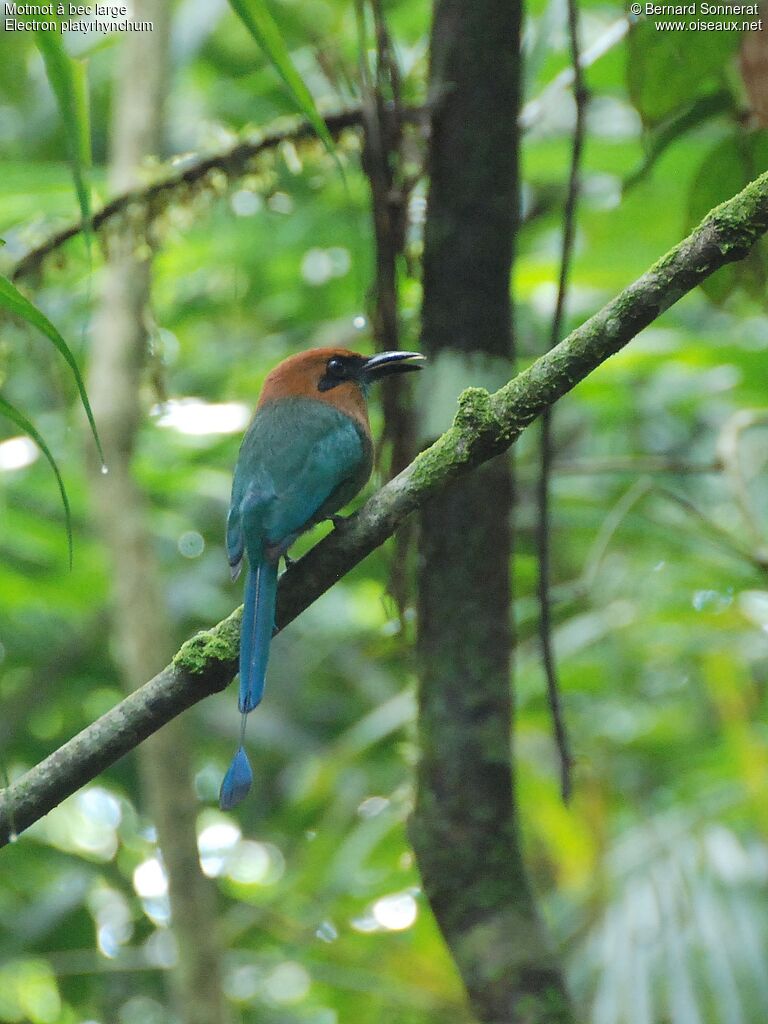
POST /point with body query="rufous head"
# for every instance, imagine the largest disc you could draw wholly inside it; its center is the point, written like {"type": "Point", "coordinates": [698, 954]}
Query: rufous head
{"type": "Point", "coordinates": [335, 375]}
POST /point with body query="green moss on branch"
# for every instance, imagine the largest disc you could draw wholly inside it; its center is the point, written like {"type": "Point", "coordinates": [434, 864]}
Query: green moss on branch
{"type": "Point", "coordinates": [217, 645]}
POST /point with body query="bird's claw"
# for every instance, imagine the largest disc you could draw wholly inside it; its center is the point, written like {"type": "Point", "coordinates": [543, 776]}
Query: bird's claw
{"type": "Point", "coordinates": [339, 522]}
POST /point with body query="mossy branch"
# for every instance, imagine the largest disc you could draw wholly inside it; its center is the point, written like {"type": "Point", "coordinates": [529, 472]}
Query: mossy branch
{"type": "Point", "coordinates": [485, 425]}
{"type": "Point", "coordinates": [234, 163]}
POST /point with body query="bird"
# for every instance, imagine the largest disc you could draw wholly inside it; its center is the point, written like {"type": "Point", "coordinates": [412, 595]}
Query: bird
{"type": "Point", "coordinates": [306, 454]}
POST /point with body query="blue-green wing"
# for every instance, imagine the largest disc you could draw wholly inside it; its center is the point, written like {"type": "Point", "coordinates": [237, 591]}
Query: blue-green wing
{"type": "Point", "coordinates": [301, 460]}
{"type": "Point", "coordinates": [326, 480]}
{"type": "Point", "coordinates": [252, 495]}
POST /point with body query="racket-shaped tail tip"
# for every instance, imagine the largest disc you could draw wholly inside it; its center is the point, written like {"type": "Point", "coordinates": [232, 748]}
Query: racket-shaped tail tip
{"type": "Point", "coordinates": [237, 781]}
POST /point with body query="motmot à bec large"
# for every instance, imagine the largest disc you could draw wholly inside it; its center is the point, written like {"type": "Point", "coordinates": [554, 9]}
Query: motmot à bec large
{"type": "Point", "coordinates": [307, 452]}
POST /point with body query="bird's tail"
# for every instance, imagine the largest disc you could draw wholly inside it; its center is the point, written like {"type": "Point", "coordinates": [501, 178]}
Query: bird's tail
{"type": "Point", "coordinates": [256, 632]}
{"type": "Point", "coordinates": [255, 636]}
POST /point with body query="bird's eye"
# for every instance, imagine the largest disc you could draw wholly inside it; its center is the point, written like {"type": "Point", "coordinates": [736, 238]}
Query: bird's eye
{"type": "Point", "coordinates": [337, 370]}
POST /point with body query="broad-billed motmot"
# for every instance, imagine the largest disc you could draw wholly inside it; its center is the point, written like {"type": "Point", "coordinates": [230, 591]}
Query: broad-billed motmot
{"type": "Point", "coordinates": [307, 452]}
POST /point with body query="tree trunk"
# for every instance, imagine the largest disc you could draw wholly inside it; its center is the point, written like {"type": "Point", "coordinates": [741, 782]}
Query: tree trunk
{"type": "Point", "coordinates": [465, 826]}
{"type": "Point", "coordinates": [141, 627]}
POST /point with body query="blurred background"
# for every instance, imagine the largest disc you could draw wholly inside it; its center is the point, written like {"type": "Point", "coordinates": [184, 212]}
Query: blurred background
{"type": "Point", "coordinates": [654, 879]}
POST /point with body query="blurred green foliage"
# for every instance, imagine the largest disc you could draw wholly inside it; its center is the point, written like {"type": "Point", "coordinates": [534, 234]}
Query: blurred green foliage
{"type": "Point", "coordinates": [654, 879]}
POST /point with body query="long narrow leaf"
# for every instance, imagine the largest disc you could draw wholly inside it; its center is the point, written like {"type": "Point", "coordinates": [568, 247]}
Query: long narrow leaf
{"type": "Point", "coordinates": [256, 17]}
{"type": "Point", "coordinates": [12, 299]}
{"type": "Point", "coordinates": [21, 421]}
{"type": "Point", "coordinates": [69, 82]}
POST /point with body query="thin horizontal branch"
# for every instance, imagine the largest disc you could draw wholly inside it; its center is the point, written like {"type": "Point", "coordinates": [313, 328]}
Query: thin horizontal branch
{"type": "Point", "coordinates": [485, 425]}
{"type": "Point", "coordinates": [233, 163]}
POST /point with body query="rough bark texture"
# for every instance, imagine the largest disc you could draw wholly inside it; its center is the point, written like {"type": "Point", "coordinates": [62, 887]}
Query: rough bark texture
{"type": "Point", "coordinates": [485, 425]}
{"type": "Point", "coordinates": [141, 628]}
{"type": "Point", "coordinates": [464, 828]}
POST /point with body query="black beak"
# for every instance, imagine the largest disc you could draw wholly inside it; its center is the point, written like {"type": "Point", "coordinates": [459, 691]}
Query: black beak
{"type": "Point", "coordinates": [385, 364]}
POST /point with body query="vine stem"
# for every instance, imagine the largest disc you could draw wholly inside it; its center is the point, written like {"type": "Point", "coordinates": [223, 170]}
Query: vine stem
{"type": "Point", "coordinates": [544, 519]}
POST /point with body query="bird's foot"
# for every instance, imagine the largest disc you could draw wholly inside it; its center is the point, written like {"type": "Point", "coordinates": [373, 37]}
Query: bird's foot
{"type": "Point", "coordinates": [339, 522]}
{"type": "Point", "coordinates": [288, 560]}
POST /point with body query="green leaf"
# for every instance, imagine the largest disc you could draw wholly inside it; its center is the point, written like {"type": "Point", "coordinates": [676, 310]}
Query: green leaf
{"type": "Point", "coordinates": [70, 84]}
{"type": "Point", "coordinates": [667, 71]}
{"type": "Point", "coordinates": [730, 165]}
{"type": "Point", "coordinates": [660, 137]}
{"type": "Point", "coordinates": [12, 413]}
{"type": "Point", "coordinates": [12, 299]}
{"type": "Point", "coordinates": [256, 17]}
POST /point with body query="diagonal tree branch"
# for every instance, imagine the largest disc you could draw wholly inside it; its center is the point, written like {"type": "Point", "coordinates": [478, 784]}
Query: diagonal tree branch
{"type": "Point", "coordinates": [485, 425]}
